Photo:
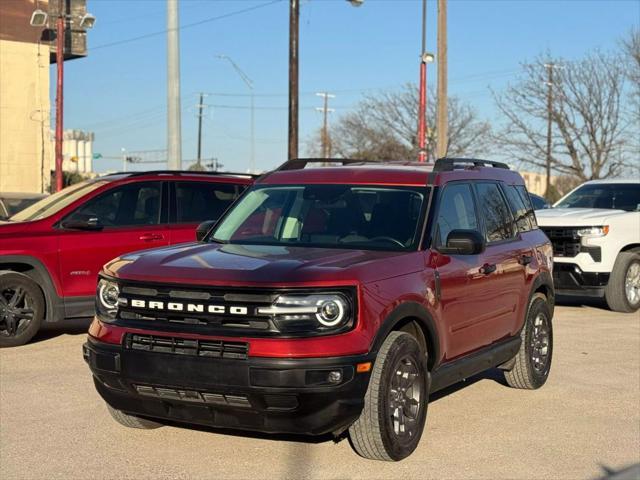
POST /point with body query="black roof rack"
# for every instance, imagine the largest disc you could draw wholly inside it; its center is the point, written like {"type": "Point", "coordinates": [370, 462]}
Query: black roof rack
{"type": "Point", "coordinates": [448, 164]}
{"type": "Point", "coordinates": [300, 163]}
{"type": "Point", "coordinates": [181, 172]}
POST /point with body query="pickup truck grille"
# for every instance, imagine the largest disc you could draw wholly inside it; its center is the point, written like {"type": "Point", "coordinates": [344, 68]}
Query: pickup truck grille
{"type": "Point", "coordinates": [185, 346]}
{"type": "Point", "coordinates": [565, 241]}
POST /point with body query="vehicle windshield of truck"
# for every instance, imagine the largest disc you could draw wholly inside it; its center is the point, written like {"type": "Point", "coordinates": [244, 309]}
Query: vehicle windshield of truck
{"type": "Point", "coordinates": [56, 202]}
{"type": "Point", "coordinates": [617, 196]}
{"type": "Point", "coordinates": [326, 216]}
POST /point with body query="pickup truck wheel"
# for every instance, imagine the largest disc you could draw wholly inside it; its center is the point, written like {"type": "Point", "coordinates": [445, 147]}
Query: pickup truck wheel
{"type": "Point", "coordinates": [395, 405]}
{"type": "Point", "coordinates": [533, 361]}
{"type": "Point", "coordinates": [21, 309]}
{"type": "Point", "coordinates": [623, 290]}
{"type": "Point", "coordinates": [132, 421]}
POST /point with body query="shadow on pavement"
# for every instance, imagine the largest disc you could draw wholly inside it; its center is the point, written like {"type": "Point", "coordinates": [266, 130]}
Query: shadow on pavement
{"type": "Point", "coordinates": [76, 326]}
{"type": "Point", "coordinates": [572, 301]}
{"type": "Point", "coordinates": [631, 472]}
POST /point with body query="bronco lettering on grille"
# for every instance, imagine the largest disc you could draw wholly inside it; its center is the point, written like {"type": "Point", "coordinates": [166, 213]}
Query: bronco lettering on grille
{"type": "Point", "coordinates": [188, 307]}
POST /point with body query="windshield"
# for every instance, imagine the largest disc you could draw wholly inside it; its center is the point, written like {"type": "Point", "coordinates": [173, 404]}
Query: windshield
{"type": "Point", "coordinates": [56, 202]}
{"type": "Point", "coordinates": [327, 216]}
{"type": "Point", "coordinates": [618, 196]}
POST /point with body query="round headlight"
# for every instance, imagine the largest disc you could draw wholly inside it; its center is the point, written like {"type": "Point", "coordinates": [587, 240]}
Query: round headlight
{"type": "Point", "coordinates": [331, 312]}
{"type": "Point", "coordinates": [108, 294]}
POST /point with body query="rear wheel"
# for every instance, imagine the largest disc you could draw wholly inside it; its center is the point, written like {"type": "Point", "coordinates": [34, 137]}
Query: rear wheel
{"type": "Point", "coordinates": [131, 421]}
{"type": "Point", "coordinates": [392, 420]}
{"type": "Point", "coordinates": [21, 309]}
{"type": "Point", "coordinates": [623, 290]}
{"type": "Point", "coordinates": [533, 361]}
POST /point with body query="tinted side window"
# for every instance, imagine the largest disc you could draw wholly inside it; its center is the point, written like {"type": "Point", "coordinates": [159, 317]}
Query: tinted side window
{"type": "Point", "coordinates": [522, 190]}
{"type": "Point", "coordinates": [497, 218]}
{"type": "Point", "coordinates": [128, 205]}
{"type": "Point", "coordinates": [200, 201]}
{"type": "Point", "coordinates": [457, 211]}
{"type": "Point", "coordinates": [518, 208]}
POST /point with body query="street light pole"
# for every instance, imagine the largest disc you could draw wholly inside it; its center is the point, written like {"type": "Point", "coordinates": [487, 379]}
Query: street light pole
{"type": "Point", "coordinates": [442, 125]}
{"type": "Point", "coordinates": [59, 91]}
{"type": "Point", "coordinates": [422, 101]}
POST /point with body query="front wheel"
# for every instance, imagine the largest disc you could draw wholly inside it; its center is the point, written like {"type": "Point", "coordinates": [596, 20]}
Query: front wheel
{"type": "Point", "coordinates": [533, 362]}
{"type": "Point", "coordinates": [395, 405]}
{"type": "Point", "coordinates": [21, 309]}
{"type": "Point", "coordinates": [623, 289]}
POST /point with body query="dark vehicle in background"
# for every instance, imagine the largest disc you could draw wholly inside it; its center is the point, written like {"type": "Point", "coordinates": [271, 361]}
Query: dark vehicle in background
{"type": "Point", "coordinates": [12, 202]}
{"type": "Point", "coordinates": [52, 251]}
{"type": "Point", "coordinates": [538, 202]}
{"type": "Point", "coordinates": [331, 300]}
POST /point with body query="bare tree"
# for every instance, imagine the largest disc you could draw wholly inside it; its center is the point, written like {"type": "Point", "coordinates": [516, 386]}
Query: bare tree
{"type": "Point", "coordinates": [384, 127]}
{"type": "Point", "coordinates": [631, 49]}
{"type": "Point", "coordinates": [590, 134]}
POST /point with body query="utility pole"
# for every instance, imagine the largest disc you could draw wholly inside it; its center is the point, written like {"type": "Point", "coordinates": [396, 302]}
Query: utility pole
{"type": "Point", "coordinates": [174, 136]}
{"type": "Point", "coordinates": [549, 66]}
{"type": "Point", "coordinates": [200, 107]}
{"type": "Point", "coordinates": [326, 143]}
{"type": "Point", "coordinates": [294, 19]}
{"type": "Point", "coordinates": [442, 120]}
{"type": "Point", "coordinates": [60, 43]}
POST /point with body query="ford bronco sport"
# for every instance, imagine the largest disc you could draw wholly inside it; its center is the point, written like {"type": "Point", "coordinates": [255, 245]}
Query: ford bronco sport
{"type": "Point", "coordinates": [331, 300]}
{"type": "Point", "coordinates": [52, 251]}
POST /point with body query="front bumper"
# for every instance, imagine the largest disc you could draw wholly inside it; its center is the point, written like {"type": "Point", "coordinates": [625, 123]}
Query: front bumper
{"type": "Point", "coordinates": [569, 279]}
{"type": "Point", "coordinates": [260, 394]}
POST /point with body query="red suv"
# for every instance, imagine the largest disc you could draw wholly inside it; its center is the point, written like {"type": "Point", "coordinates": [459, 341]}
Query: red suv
{"type": "Point", "coordinates": [331, 300]}
{"type": "Point", "coordinates": [51, 252]}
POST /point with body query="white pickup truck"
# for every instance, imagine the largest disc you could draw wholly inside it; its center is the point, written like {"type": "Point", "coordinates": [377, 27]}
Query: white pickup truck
{"type": "Point", "coordinates": [595, 232]}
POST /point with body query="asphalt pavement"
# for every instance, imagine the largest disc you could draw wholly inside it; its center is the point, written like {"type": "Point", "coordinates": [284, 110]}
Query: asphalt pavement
{"type": "Point", "coordinates": [583, 422]}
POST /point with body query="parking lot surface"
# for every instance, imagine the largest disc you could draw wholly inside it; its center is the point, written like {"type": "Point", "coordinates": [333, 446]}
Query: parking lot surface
{"type": "Point", "coordinates": [586, 418]}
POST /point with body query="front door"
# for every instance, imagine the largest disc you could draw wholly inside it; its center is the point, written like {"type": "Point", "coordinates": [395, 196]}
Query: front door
{"type": "Point", "coordinates": [131, 216]}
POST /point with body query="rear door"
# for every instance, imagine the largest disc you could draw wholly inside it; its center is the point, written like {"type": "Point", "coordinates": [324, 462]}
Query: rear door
{"type": "Point", "coordinates": [133, 217]}
{"type": "Point", "coordinates": [193, 202]}
{"type": "Point", "coordinates": [502, 262]}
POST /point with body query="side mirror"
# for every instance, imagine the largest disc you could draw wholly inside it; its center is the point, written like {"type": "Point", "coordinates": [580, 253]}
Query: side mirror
{"type": "Point", "coordinates": [84, 222]}
{"type": "Point", "coordinates": [464, 242]}
{"type": "Point", "coordinates": [203, 229]}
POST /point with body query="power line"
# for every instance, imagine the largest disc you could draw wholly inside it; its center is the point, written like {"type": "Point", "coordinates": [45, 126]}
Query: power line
{"type": "Point", "coordinates": [188, 25]}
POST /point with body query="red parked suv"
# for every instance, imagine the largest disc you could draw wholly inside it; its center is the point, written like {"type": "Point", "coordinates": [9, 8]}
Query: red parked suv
{"type": "Point", "coordinates": [331, 300]}
{"type": "Point", "coordinates": [51, 252]}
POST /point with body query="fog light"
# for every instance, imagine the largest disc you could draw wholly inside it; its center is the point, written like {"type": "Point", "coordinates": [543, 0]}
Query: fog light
{"type": "Point", "coordinates": [335, 376]}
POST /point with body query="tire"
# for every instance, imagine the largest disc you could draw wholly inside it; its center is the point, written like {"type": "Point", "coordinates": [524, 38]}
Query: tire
{"type": "Point", "coordinates": [533, 361]}
{"type": "Point", "coordinates": [375, 435]}
{"type": "Point", "coordinates": [623, 290]}
{"type": "Point", "coordinates": [131, 421]}
{"type": "Point", "coordinates": [21, 309]}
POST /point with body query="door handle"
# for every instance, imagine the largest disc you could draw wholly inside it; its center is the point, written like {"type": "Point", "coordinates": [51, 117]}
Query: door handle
{"type": "Point", "coordinates": [526, 260]}
{"type": "Point", "coordinates": [487, 268]}
{"type": "Point", "coordinates": [149, 237]}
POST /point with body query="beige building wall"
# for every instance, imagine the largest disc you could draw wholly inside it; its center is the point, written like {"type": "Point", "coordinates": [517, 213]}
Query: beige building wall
{"type": "Point", "coordinates": [24, 117]}
{"type": "Point", "coordinates": [537, 182]}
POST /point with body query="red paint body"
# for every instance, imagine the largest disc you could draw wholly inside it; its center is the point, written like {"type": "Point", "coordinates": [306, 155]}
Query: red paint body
{"type": "Point", "coordinates": [473, 310]}
{"type": "Point", "coordinates": [72, 259]}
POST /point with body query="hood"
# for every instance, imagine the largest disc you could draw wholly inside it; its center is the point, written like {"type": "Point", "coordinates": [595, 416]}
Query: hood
{"type": "Point", "coordinates": [240, 265]}
{"type": "Point", "coordinates": [561, 217]}
{"type": "Point", "coordinates": [7, 228]}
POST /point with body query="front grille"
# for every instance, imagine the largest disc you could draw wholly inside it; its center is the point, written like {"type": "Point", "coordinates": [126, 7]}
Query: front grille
{"type": "Point", "coordinates": [186, 346]}
{"type": "Point", "coordinates": [565, 241]}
